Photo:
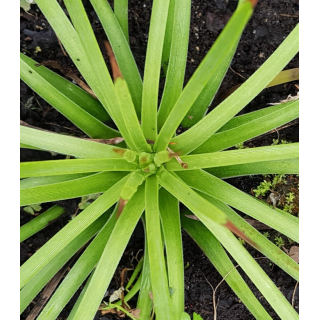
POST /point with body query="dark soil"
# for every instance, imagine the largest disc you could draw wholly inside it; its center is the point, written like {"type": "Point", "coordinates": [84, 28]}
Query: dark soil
{"type": "Point", "coordinates": [271, 23]}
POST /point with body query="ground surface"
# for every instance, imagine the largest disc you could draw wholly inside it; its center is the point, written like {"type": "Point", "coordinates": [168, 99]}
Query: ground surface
{"type": "Point", "coordinates": [271, 23]}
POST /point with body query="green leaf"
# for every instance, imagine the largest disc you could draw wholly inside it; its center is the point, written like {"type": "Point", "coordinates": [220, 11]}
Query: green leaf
{"type": "Point", "coordinates": [110, 257]}
{"type": "Point", "coordinates": [84, 51]}
{"type": "Point", "coordinates": [215, 252]}
{"type": "Point", "coordinates": [33, 287]}
{"type": "Point", "coordinates": [190, 198]}
{"type": "Point", "coordinates": [265, 246]}
{"type": "Point", "coordinates": [175, 46]}
{"type": "Point", "coordinates": [130, 116]}
{"type": "Point", "coordinates": [41, 181]}
{"type": "Point", "coordinates": [260, 279]}
{"type": "Point", "coordinates": [277, 219]}
{"type": "Point", "coordinates": [79, 272]}
{"type": "Point", "coordinates": [66, 145]}
{"type": "Point", "coordinates": [117, 35]}
{"type": "Point", "coordinates": [170, 219]}
{"type": "Point", "coordinates": [145, 304]}
{"type": "Point", "coordinates": [204, 129]}
{"type": "Point", "coordinates": [251, 129]}
{"type": "Point", "coordinates": [289, 166]}
{"type": "Point", "coordinates": [158, 272]}
{"type": "Point", "coordinates": [152, 68]}
{"type": "Point", "coordinates": [121, 13]}
{"type": "Point", "coordinates": [95, 183]}
{"type": "Point", "coordinates": [204, 72]}
{"type": "Point", "coordinates": [233, 157]}
{"type": "Point", "coordinates": [66, 89]}
{"type": "Point", "coordinates": [54, 246]}
{"type": "Point", "coordinates": [26, 4]}
{"type": "Point", "coordinates": [251, 116]}
{"type": "Point", "coordinates": [40, 222]}
{"type": "Point", "coordinates": [61, 167]}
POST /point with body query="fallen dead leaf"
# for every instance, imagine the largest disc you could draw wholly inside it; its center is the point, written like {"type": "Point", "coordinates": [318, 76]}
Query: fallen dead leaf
{"type": "Point", "coordinates": [294, 253]}
{"type": "Point", "coordinates": [117, 294]}
{"type": "Point", "coordinates": [135, 313]}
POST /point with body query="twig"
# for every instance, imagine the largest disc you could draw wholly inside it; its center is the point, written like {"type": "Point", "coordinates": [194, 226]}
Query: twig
{"type": "Point", "coordinates": [289, 15]}
{"type": "Point", "coordinates": [51, 286]}
{"type": "Point", "coordinates": [294, 293]}
{"type": "Point", "coordinates": [292, 123]}
{"type": "Point", "coordinates": [61, 46]}
{"type": "Point", "coordinates": [240, 75]}
{"type": "Point", "coordinates": [215, 290]}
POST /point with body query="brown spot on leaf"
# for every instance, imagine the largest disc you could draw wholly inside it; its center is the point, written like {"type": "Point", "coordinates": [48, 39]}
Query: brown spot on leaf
{"type": "Point", "coordinates": [120, 151]}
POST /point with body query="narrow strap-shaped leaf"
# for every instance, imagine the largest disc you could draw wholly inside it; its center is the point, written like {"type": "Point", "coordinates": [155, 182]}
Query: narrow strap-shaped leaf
{"type": "Point", "coordinates": [76, 306]}
{"type": "Point", "coordinates": [42, 181]}
{"type": "Point", "coordinates": [170, 219]}
{"type": "Point", "coordinates": [277, 219]}
{"type": "Point", "coordinates": [85, 53]}
{"type": "Point", "coordinates": [204, 72]}
{"type": "Point", "coordinates": [282, 77]}
{"type": "Point", "coordinates": [68, 36]}
{"type": "Point", "coordinates": [204, 129]}
{"type": "Point", "coordinates": [179, 13]}
{"type": "Point", "coordinates": [152, 68]}
{"type": "Point", "coordinates": [90, 125]}
{"type": "Point", "coordinates": [66, 144]}
{"type": "Point", "coordinates": [92, 184]}
{"type": "Point", "coordinates": [167, 43]}
{"type": "Point", "coordinates": [265, 246]}
{"type": "Point", "coordinates": [205, 98]}
{"type": "Point", "coordinates": [145, 303]}
{"type": "Point", "coordinates": [158, 272]}
{"type": "Point", "coordinates": [33, 287]}
{"type": "Point", "coordinates": [130, 116]}
{"type": "Point", "coordinates": [215, 252]}
{"type": "Point", "coordinates": [79, 272]}
{"type": "Point", "coordinates": [54, 246]}
{"type": "Point", "coordinates": [60, 167]}
{"type": "Point", "coordinates": [260, 279]}
{"type": "Point", "coordinates": [232, 157]}
{"type": "Point", "coordinates": [190, 198]}
{"type": "Point", "coordinates": [74, 93]}
{"type": "Point", "coordinates": [106, 92]}
{"type": "Point", "coordinates": [288, 166]}
{"type": "Point", "coordinates": [110, 257]}
{"type": "Point", "coordinates": [121, 13]}
{"type": "Point", "coordinates": [229, 138]}
{"type": "Point", "coordinates": [40, 222]}
{"type": "Point", "coordinates": [251, 116]}
{"type": "Point", "coordinates": [121, 48]}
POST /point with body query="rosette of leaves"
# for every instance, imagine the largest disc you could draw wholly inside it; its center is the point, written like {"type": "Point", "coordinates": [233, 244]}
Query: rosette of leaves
{"type": "Point", "coordinates": [154, 169]}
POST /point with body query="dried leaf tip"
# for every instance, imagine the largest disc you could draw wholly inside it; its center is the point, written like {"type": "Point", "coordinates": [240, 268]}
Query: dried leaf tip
{"type": "Point", "coordinates": [253, 2]}
{"type": "Point", "coordinates": [116, 73]}
{"type": "Point", "coordinates": [239, 233]}
{"type": "Point", "coordinates": [122, 204]}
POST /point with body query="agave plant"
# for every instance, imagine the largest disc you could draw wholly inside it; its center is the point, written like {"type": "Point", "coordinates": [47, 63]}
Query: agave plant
{"type": "Point", "coordinates": [145, 170]}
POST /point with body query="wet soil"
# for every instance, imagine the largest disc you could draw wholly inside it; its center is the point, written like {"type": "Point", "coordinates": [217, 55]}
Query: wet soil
{"type": "Point", "coordinates": [271, 23]}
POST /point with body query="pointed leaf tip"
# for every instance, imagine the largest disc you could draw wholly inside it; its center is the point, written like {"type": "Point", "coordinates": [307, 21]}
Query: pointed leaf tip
{"type": "Point", "coordinates": [116, 73]}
